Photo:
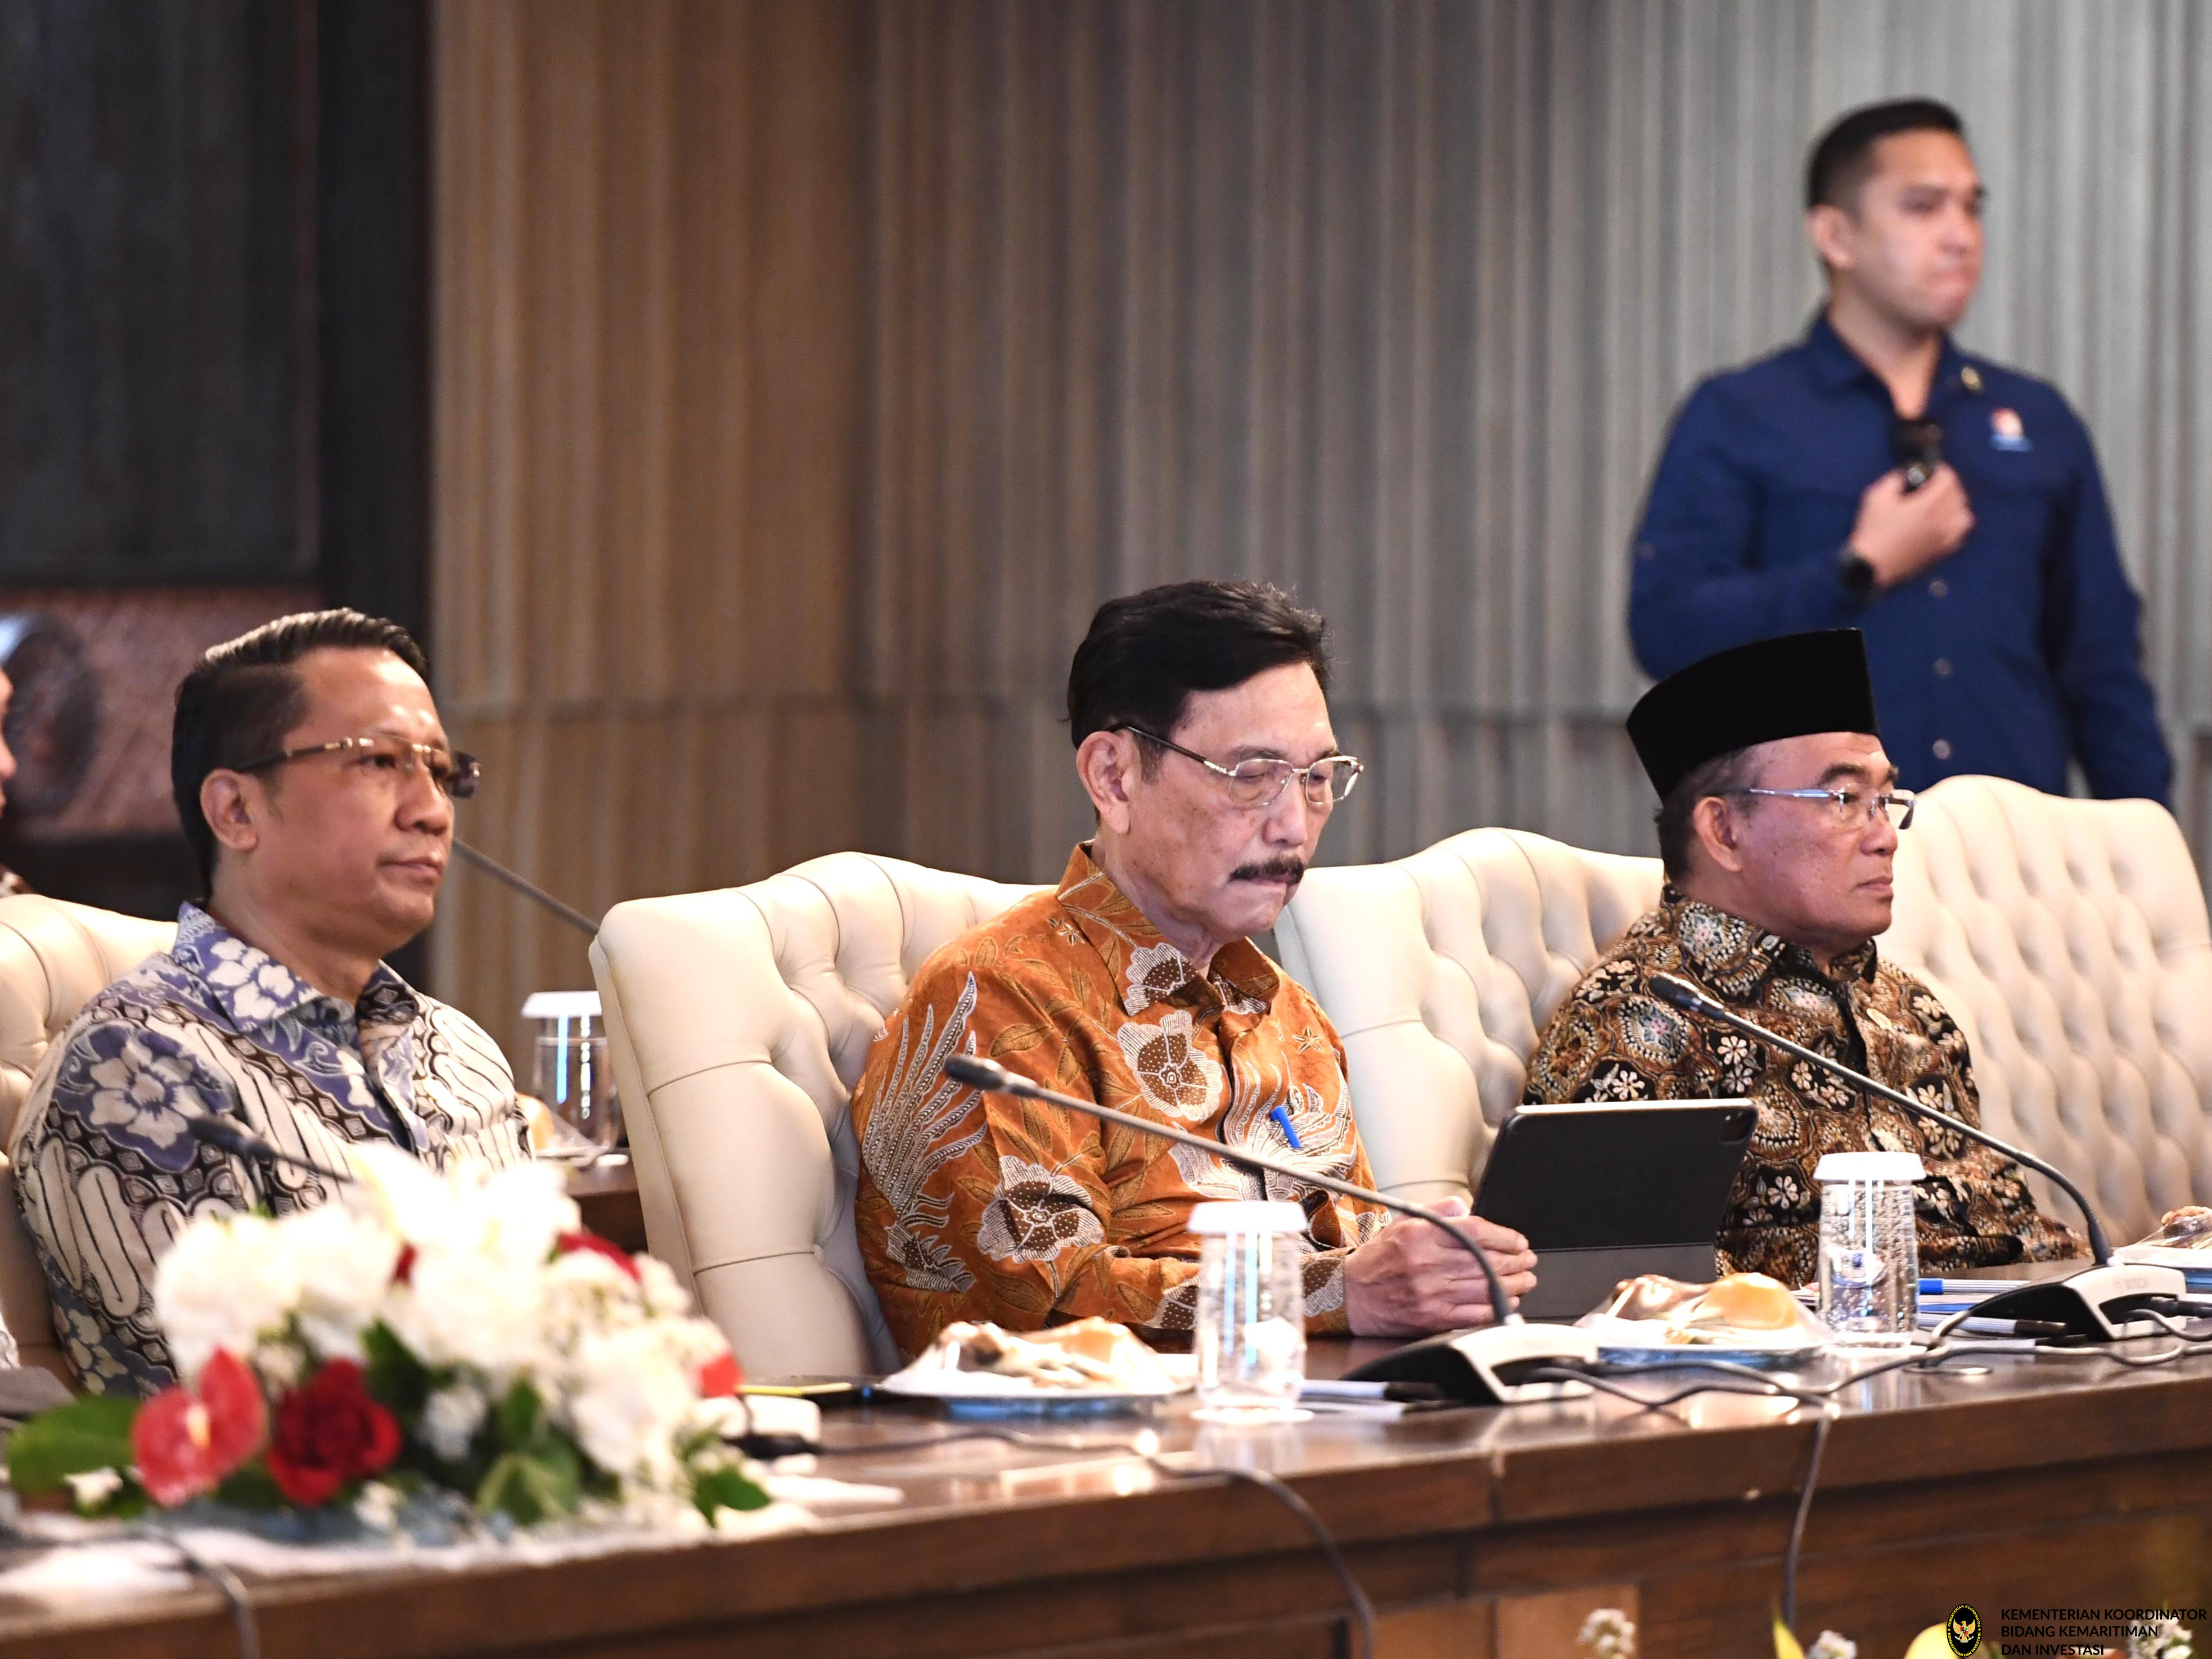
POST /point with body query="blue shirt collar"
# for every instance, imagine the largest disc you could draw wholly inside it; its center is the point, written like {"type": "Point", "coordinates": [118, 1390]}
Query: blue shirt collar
{"type": "Point", "coordinates": [255, 990]}
{"type": "Point", "coordinates": [1835, 365]}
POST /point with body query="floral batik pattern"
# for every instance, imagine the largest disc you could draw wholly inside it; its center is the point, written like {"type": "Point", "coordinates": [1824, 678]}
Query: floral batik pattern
{"type": "Point", "coordinates": [919, 1124]}
{"type": "Point", "coordinates": [1037, 1215]}
{"type": "Point", "coordinates": [107, 1173]}
{"type": "Point", "coordinates": [974, 1206]}
{"type": "Point", "coordinates": [1611, 1040]}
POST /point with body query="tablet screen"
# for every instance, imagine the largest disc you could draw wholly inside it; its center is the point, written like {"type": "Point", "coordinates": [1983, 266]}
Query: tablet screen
{"type": "Point", "coordinates": [1616, 1177]}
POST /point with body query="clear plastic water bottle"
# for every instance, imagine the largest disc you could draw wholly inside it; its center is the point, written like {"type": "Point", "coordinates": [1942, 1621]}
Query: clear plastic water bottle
{"type": "Point", "coordinates": [1250, 1340]}
{"type": "Point", "coordinates": [1869, 1247]}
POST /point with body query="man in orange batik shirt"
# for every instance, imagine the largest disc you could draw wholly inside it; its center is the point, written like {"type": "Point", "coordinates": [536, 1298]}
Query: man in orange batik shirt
{"type": "Point", "coordinates": [1201, 719]}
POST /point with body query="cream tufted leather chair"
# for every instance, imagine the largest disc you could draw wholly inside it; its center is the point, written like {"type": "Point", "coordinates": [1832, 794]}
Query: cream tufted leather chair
{"type": "Point", "coordinates": [739, 1022]}
{"type": "Point", "coordinates": [53, 956]}
{"type": "Point", "coordinates": [2068, 940]}
{"type": "Point", "coordinates": [1439, 971]}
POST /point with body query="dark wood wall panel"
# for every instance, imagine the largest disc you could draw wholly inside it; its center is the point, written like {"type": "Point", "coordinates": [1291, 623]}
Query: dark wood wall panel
{"type": "Point", "coordinates": [213, 363]}
{"type": "Point", "coordinates": [154, 426]}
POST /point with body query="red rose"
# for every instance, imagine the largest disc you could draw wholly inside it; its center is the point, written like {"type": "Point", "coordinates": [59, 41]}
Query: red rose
{"type": "Point", "coordinates": [185, 1442]}
{"type": "Point", "coordinates": [570, 1242]}
{"type": "Point", "coordinates": [720, 1376]}
{"type": "Point", "coordinates": [330, 1433]}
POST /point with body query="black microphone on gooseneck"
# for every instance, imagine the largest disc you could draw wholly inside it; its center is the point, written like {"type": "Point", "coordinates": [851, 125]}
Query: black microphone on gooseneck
{"type": "Point", "coordinates": [1480, 1365]}
{"type": "Point", "coordinates": [217, 1130]}
{"type": "Point", "coordinates": [2107, 1303]}
{"type": "Point", "coordinates": [1671, 988]}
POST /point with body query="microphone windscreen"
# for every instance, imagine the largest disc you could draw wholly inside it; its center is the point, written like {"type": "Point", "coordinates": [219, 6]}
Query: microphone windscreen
{"type": "Point", "coordinates": [219, 1131]}
{"type": "Point", "coordinates": [976, 1073]}
{"type": "Point", "coordinates": [1679, 992]}
{"type": "Point", "coordinates": [216, 1130]}
{"type": "Point", "coordinates": [1917, 446]}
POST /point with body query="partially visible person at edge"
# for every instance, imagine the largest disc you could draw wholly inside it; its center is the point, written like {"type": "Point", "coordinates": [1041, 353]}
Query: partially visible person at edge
{"type": "Point", "coordinates": [1200, 716]}
{"type": "Point", "coordinates": [2003, 634]}
{"type": "Point", "coordinates": [10, 883]}
{"type": "Point", "coordinates": [1778, 824]}
{"type": "Point", "coordinates": [314, 782]}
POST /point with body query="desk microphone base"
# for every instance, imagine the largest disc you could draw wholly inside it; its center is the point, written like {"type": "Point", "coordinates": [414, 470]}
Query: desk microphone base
{"type": "Point", "coordinates": [2094, 1305]}
{"type": "Point", "coordinates": [1488, 1366]}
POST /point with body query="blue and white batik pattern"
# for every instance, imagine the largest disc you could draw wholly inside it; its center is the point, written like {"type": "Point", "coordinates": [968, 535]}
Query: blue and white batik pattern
{"type": "Point", "coordinates": [107, 1176]}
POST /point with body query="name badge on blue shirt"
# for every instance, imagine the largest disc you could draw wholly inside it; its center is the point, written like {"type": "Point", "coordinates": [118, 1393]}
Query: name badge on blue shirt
{"type": "Point", "coordinates": [2006, 431]}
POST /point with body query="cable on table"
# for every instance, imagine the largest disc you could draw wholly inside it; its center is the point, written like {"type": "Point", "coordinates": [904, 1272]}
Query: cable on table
{"type": "Point", "coordinates": [229, 1584]}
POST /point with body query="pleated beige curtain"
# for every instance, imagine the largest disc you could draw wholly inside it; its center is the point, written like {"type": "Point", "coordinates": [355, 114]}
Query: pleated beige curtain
{"type": "Point", "coordinates": [807, 370]}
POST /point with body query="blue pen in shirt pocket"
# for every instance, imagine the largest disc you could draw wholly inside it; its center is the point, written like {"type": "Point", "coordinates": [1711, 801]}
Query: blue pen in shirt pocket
{"type": "Point", "coordinates": [1282, 1115]}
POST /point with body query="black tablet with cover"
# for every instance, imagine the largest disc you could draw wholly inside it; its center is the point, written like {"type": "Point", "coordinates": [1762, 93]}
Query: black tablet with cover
{"type": "Point", "coordinates": [1603, 1193]}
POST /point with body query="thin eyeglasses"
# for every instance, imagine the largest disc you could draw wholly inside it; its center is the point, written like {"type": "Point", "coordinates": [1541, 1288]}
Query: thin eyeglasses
{"type": "Point", "coordinates": [1852, 806]}
{"type": "Point", "coordinates": [1259, 783]}
{"type": "Point", "coordinates": [455, 775]}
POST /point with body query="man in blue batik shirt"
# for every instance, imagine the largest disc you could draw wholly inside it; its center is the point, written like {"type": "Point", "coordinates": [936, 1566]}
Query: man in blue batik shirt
{"type": "Point", "coordinates": [2002, 630]}
{"type": "Point", "coordinates": [314, 782]}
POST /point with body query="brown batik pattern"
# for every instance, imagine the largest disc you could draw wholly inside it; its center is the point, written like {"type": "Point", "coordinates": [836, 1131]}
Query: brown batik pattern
{"type": "Point", "coordinates": [1612, 1040]}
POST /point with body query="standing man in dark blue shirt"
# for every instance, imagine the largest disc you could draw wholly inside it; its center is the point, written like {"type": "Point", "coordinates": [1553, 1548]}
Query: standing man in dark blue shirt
{"type": "Point", "coordinates": [1876, 477]}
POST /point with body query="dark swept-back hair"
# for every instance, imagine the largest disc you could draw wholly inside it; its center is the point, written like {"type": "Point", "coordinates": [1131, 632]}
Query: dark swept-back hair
{"type": "Point", "coordinates": [1677, 814]}
{"type": "Point", "coordinates": [1146, 653]}
{"type": "Point", "coordinates": [1843, 161]}
{"type": "Point", "coordinates": [243, 695]}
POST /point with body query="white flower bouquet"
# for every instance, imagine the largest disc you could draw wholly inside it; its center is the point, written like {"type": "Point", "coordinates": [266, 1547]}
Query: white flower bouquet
{"type": "Point", "coordinates": [430, 1334]}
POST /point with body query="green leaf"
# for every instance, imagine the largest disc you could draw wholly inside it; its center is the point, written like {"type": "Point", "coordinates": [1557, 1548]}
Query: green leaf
{"type": "Point", "coordinates": [539, 1485]}
{"type": "Point", "coordinates": [85, 1435]}
{"type": "Point", "coordinates": [726, 1488]}
{"type": "Point", "coordinates": [395, 1375]}
{"type": "Point", "coordinates": [127, 1504]}
{"type": "Point", "coordinates": [519, 1415]}
{"type": "Point", "coordinates": [250, 1486]}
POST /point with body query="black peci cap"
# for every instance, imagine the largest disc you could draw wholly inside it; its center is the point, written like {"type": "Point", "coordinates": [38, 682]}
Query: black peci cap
{"type": "Point", "coordinates": [1790, 687]}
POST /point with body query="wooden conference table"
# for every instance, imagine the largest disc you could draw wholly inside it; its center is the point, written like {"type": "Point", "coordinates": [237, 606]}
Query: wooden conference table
{"type": "Point", "coordinates": [606, 1197]}
{"type": "Point", "coordinates": [2047, 1482]}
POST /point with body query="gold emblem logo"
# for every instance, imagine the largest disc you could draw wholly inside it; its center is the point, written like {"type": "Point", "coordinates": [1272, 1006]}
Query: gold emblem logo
{"type": "Point", "coordinates": [1963, 1631]}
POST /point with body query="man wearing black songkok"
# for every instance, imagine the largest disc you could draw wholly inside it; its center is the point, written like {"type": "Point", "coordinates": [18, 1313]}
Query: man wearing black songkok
{"type": "Point", "coordinates": [1778, 823]}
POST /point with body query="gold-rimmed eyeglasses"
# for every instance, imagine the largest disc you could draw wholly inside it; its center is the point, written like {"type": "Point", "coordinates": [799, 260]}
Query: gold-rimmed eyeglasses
{"type": "Point", "coordinates": [1850, 807]}
{"type": "Point", "coordinates": [1257, 784]}
{"type": "Point", "coordinates": [455, 775]}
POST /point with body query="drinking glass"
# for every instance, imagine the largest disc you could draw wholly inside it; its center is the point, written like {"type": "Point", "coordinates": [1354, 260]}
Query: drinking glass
{"type": "Point", "coordinates": [569, 1070]}
{"type": "Point", "coordinates": [1869, 1247]}
{"type": "Point", "coordinates": [1250, 1336]}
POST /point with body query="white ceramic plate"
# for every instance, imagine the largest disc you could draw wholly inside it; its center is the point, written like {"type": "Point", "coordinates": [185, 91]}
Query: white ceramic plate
{"type": "Point", "coordinates": [1643, 1342]}
{"type": "Point", "coordinates": [979, 1392]}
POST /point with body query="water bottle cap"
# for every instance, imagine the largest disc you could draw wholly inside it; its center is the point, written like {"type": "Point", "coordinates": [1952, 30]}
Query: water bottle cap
{"type": "Point", "coordinates": [1250, 1216]}
{"type": "Point", "coordinates": [1869, 1166]}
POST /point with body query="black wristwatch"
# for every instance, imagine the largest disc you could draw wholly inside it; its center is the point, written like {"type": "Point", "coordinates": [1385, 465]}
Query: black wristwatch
{"type": "Point", "coordinates": [1856, 574]}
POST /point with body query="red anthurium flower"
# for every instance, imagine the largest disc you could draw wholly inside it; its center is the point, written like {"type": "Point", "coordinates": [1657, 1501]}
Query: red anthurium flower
{"type": "Point", "coordinates": [185, 1442]}
{"type": "Point", "coordinates": [330, 1432]}
{"type": "Point", "coordinates": [720, 1376]}
{"type": "Point", "coordinates": [582, 1241]}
